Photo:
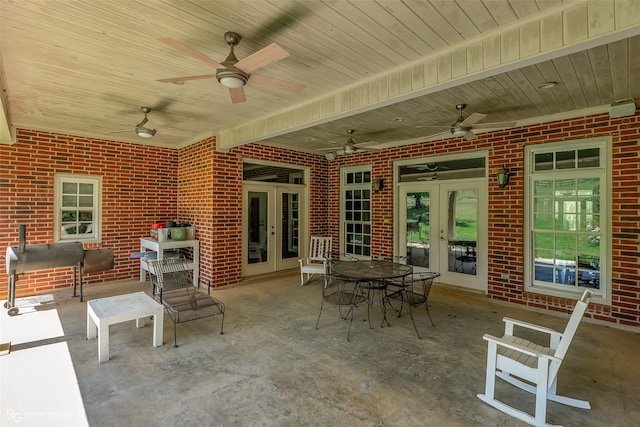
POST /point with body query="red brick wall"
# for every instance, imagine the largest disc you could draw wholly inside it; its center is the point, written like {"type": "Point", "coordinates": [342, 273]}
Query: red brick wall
{"type": "Point", "coordinates": [203, 186]}
{"type": "Point", "coordinates": [210, 194]}
{"type": "Point", "coordinates": [139, 187]}
{"type": "Point", "coordinates": [506, 206]}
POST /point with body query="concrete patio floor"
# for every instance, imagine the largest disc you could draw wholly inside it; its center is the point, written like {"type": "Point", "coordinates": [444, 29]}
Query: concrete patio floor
{"type": "Point", "coordinates": [272, 368]}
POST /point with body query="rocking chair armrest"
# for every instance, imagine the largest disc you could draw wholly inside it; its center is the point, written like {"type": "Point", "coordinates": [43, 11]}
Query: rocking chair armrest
{"type": "Point", "coordinates": [309, 261]}
{"type": "Point", "coordinates": [510, 323]}
{"type": "Point", "coordinates": [519, 348]}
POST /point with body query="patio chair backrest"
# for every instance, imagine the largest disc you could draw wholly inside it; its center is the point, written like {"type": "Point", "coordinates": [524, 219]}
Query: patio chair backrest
{"type": "Point", "coordinates": [319, 249]}
{"type": "Point", "coordinates": [562, 345]}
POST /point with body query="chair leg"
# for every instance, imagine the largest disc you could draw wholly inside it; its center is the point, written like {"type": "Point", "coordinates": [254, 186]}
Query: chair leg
{"type": "Point", "coordinates": [222, 325]}
{"type": "Point", "coordinates": [353, 313]}
{"type": "Point", "coordinates": [175, 335]}
{"type": "Point", "coordinates": [414, 322]}
{"type": "Point", "coordinates": [369, 304]}
{"type": "Point", "coordinates": [541, 391]}
{"type": "Point", "coordinates": [490, 380]}
{"type": "Point", "coordinates": [319, 314]}
{"type": "Point", "coordinates": [426, 305]}
{"type": "Point", "coordinates": [384, 309]}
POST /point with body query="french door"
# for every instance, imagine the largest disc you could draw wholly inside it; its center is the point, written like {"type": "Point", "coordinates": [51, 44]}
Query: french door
{"type": "Point", "coordinates": [442, 228]}
{"type": "Point", "coordinates": [271, 227]}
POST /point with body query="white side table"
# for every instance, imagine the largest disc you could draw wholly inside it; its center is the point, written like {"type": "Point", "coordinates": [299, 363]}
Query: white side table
{"type": "Point", "coordinates": [103, 312]}
{"type": "Point", "coordinates": [160, 247]}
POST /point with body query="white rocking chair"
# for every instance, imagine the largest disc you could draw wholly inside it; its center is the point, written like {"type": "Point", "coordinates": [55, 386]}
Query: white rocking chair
{"type": "Point", "coordinates": [515, 359]}
{"type": "Point", "coordinates": [317, 260]}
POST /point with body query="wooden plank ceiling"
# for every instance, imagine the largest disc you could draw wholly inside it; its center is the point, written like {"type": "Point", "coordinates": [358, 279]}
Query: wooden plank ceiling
{"type": "Point", "coordinates": [86, 67]}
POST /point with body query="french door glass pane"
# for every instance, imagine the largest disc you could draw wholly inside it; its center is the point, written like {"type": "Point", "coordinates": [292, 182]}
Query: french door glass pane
{"type": "Point", "coordinates": [257, 221]}
{"type": "Point", "coordinates": [418, 205]}
{"type": "Point", "coordinates": [462, 225]}
{"type": "Point", "coordinates": [290, 213]}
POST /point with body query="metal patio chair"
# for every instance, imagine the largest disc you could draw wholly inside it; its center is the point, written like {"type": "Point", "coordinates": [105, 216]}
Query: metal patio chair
{"type": "Point", "coordinates": [173, 287]}
{"type": "Point", "coordinates": [345, 294]}
{"type": "Point", "coordinates": [413, 291]}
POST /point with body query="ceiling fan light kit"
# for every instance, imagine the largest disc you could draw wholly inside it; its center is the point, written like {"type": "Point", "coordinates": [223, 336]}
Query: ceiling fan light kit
{"type": "Point", "coordinates": [459, 131]}
{"type": "Point", "coordinates": [145, 132]}
{"type": "Point", "coordinates": [230, 76]}
{"type": "Point", "coordinates": [230, 79]}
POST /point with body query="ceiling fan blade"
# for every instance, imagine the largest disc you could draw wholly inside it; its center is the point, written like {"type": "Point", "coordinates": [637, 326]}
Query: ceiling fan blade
{"type": "Point", "coordinates": [162, 104]}
{"type": "Point", "coordinates": [495, 125]}
{"type": "Point", "coordinates": [191, 52]}
{"type": "Point", "coordinates": [435, 135]}
{"type": "Point", "coordinates": [472, 119]}
{"type": "Point", "coordinates": [286, 19]}
{"type": "Point", "coordinates": [364, 144]}
{"type": "Point", "coordinates": [261, 58]}
{"type": "Point", "coordinates": [277, 83]}
{"type": "Point", "coordinates": [237, 95]}
{"type": "Point", "coordinates": [432, 126]}
{"type": "Point", "coordinates": [470, 136]}
{"type": "Point", "coordinates": [184, 79]}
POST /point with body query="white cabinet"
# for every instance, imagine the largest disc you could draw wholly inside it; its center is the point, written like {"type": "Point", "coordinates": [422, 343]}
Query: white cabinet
{"type": "Point", "coordinates": [160, 247]}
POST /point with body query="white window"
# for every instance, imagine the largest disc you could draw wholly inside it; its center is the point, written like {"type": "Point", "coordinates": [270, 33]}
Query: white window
{"type": "Point", "coordinates": [356, 211]}
{"type": "Point", "coordinates": [568, 213]}
{"type": "Point", "coordinates": [77, 208]}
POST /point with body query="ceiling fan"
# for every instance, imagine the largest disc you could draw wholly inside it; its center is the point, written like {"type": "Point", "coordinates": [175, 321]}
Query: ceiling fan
{"type": "Point", "coordinates": [430, 167]}
{"type": "Point", "coordinates": [351, 147]}
{"type": "Point", "coordinates": [464, 127]}
{"type": "Point", "coordinates": [233, 73]}
{"type": "Point", "coordinates": [140, 128]}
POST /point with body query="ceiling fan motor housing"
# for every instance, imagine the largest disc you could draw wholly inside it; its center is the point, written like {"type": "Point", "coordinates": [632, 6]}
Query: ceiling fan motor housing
{"type": "Point", "coordinates": [230, 76]}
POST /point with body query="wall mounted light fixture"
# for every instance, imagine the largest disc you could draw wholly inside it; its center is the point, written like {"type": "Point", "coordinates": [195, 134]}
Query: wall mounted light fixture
{"type": "Point", "coordinates": [503, 176]}
{"type": "Point", "coordinates": [377, 185]}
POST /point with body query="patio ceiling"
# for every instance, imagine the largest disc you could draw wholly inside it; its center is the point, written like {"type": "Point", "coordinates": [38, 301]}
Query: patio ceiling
{"type": "Point", "coordinates": [391, 70]}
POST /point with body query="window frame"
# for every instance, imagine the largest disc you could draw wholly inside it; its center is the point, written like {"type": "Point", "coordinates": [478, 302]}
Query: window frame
{"type": "Point", "coordinates": [96, 234]}
{"type": "Point", "coordinates": [603, 172]}
{"type": "Point", "coordinates": [344, 187]}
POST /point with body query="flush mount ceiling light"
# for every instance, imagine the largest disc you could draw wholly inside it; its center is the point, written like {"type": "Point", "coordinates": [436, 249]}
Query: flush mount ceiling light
{"type": "Point", "coordinates": [141, 130]}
